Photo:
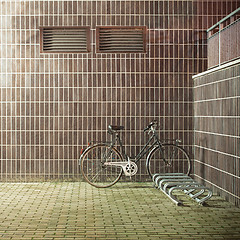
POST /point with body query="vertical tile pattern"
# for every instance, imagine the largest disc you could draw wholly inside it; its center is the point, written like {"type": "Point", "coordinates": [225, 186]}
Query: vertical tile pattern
{"type": "Point", "coordinates": [53, 104]}
{"type": "Point", "coordinates": [216, 112]}
{"type": "Point", "coordinates": [217, 140]}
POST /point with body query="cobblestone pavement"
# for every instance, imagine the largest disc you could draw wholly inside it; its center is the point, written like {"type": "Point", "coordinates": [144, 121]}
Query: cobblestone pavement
{"type": "Point", "coordinates": [73, 210]}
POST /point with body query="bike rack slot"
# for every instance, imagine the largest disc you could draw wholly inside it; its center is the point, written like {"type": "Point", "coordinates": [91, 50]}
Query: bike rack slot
{"type": "Point", "coordinates": [170, 182]}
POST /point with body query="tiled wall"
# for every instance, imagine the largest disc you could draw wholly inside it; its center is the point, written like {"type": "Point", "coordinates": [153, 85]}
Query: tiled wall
{"type": "Point", "coordinates": [217, 128]}
{"type": "Point", "coordinates": [53, 104]}
{"type": "Point", "coordinates": [216, 115]}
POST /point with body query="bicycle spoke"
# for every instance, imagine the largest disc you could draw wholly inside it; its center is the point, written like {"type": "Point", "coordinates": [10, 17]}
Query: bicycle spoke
{"type": "Point", "coordinates": [93, 169]}
{"type": "Point", "coordinates": [96, 175]}
{"type": "Point", "coordinates": [173, 160]}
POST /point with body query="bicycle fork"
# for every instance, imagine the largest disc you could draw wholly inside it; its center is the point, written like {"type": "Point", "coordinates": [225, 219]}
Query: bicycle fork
{"type": "Point", "coordinates": [168, 161]}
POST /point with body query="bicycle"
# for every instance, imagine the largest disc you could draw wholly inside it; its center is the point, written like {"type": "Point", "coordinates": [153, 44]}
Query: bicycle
{"type": "Point", "coordinates": [102, 164]}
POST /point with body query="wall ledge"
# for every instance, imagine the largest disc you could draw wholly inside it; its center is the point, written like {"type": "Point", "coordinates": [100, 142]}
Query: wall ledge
{"type": "Point", "coordinates": [226, 65]}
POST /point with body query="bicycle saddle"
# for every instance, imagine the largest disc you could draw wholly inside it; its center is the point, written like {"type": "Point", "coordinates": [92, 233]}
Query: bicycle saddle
{"type": "Point", "coordinates": [115, 128]}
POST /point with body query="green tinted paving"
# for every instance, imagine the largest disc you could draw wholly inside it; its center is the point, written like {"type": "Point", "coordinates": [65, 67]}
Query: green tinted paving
{"type": "Point", "coordinates": [125, 211]}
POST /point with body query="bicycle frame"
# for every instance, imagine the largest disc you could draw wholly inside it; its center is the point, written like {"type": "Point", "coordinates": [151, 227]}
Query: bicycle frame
{"type": "Point", "coordinates": [144, 150]}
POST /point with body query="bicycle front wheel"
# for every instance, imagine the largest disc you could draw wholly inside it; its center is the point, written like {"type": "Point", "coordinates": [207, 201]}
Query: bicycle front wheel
{"type": "Point", "coordinates": [95, 171]}
{"type": "Point", "coordinates": [170, 159]}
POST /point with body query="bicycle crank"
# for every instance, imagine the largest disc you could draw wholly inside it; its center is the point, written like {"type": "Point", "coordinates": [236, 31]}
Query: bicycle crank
{"type": "Point", "coordinates": [129, 168]}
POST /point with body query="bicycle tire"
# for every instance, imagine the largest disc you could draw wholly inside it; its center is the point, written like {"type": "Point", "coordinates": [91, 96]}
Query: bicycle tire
{"type": "Point", "coordinates": [93, 169]}
{"type": "Point", "coordinates": [176, 160]}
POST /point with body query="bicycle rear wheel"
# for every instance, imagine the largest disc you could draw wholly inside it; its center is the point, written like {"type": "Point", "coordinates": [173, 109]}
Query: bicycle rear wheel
{"type": "Point", "coordinates": [172, 159]}
{"type": "Point", "coordinates": [93, 169]}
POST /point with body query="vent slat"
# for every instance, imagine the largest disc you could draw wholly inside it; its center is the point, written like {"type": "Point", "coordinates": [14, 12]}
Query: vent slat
{"type": "Point", "coordinates": [64, 35]}
{"type": "Point", "coordinates": [124, 47]}
{"type": "Point", "coordinates": [118, 38]}
{"type": "Point", "coordinates": [64, 31]}
{"type": "Point", "coordinates": [120, 50]}
{"type": "Point", "coordinates": [137, 36]}
{"type": "Point", "coordinates": [121, 39]}
{"type": "Point", "coordinates": [121, 42]}
{"type": "Point", "coordinates": [64, 46]}
{"type": "Point", "coordinates": [120, 34]}
{"type": "Point", "coordinates": [128, 31]}
{"type": "Point", "coordinates": [65, 40]}
{"type": "Point", "coordinates": [69, 50]}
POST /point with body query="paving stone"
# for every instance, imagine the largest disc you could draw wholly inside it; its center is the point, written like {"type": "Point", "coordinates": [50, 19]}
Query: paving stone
{"type": "Point", "coordinates": [76, 210]}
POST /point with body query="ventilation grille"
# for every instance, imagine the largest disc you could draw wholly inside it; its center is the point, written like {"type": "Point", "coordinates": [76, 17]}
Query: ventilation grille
{"type": "Point", "coordinates": [121, 39]}
{"type": "Point", "coordinates": [65, 40]}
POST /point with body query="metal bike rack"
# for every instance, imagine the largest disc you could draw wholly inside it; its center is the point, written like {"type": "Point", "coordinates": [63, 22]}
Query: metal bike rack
{"type": "Point", "coordinates": [169, 182]}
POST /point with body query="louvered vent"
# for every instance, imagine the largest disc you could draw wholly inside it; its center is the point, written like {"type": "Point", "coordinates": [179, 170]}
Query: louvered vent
{"type": "Point", "coordinates": [65, 39]}
{"type": "Point", "coordinates": [121, 39]}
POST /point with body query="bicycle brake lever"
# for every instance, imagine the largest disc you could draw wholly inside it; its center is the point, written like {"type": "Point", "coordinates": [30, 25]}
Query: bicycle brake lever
{"type": "Point", "coordinates": [178, 141]}
{"type": "Point", "coordinates": [145, 129]}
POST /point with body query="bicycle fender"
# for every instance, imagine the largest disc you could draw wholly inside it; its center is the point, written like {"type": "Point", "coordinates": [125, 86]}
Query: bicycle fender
{"type": "Point", "coordinates": [149, 155]}
{"type": "Point", "coordinates": [82, 153]}
{"type": "Point", "coordinates": [90, 146]}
